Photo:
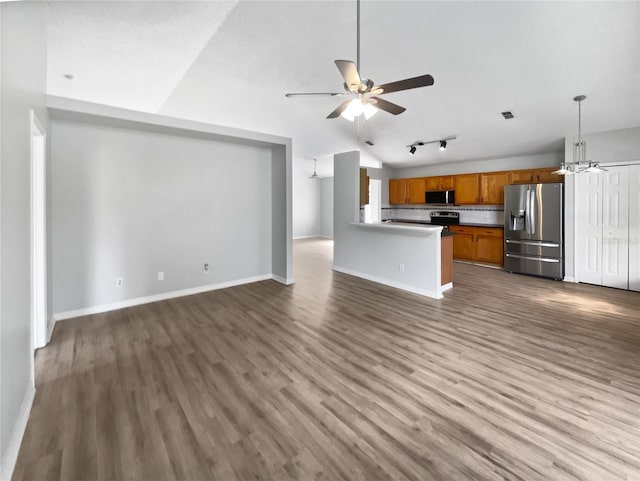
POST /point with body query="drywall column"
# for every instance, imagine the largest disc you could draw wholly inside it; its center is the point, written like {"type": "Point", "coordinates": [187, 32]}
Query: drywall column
{"type": "Point", "coordinates": [281, 213]}
{"type": "Point", "coordinates": [23, 56]}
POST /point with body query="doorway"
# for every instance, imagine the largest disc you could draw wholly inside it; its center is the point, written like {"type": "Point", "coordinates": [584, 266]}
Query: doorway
{"type": "Point", "coordinates": [38, 233]}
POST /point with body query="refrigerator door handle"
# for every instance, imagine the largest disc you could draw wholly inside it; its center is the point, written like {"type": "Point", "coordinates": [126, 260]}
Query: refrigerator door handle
{"type": "Point", "coordinates": [532, 258]}
{"type": "Point", "coordinates": [533, 243]}
{"type": "Point", "coordinates": [532, 212]}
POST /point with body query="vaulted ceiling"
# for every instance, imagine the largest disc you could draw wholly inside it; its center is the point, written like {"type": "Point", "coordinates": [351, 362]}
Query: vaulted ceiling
{"type": "Point", "coordinates": [231, 63]}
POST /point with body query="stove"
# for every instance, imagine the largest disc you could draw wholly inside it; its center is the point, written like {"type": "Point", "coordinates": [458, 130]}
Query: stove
{"type": "Point", "coordinates": [445, 218]}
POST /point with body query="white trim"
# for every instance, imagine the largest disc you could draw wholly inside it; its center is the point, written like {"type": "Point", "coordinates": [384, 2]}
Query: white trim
{"type": "Point", "coordinates": [386, 282]}
{"type": "Point", "coordinates": [570, 279]}
{"type": "Point", "coordinates": [15, 438]}
{"type": "Point", "coordinates": [307, 237]}
{"type": "Point", "coordinates": [447, 286]}
{"type": "Point", "coordinates": [38, 227]}
{"type": "Point", "coordinates": [282, 280]}
{"type": "Point", "coordinates": [87, 311]}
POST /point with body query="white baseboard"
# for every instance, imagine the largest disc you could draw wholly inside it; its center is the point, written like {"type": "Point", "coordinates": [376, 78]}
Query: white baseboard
{"type": "Point", "coordinates": [282, 280]}
{"type": "Point", "coordinates": [87, 311]}
{"type": "Point", "coordinates": [446, 287]}
{"type": "Point", "coordinates": [306, 237]}
{"type": "Point", "coordinates": [386, 282]}
{"type": "Point", "coordinates": [17, 433]}
{"type": "Point", "coordinates": [570, 279]}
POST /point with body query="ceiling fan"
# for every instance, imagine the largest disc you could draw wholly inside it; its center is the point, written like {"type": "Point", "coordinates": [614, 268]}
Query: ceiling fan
{"type": "Point", "coordinates": [364, 91]}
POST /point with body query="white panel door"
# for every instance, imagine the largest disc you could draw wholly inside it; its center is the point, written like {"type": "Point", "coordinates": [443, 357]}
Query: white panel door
{"type": "Point", "coordinates": [589, 228]}
{"type": "Point", "coordinates": [615, 227]}
{"type": "Point", "coordinates": [634, 228]}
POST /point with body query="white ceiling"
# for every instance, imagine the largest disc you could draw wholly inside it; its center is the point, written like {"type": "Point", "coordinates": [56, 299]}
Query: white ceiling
{"type": "Point", "coordinates": [230, 63]}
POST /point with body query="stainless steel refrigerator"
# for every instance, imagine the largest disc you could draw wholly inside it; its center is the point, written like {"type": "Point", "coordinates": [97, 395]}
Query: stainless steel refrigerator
{"type": "Point", "coordinates": [533, 229]}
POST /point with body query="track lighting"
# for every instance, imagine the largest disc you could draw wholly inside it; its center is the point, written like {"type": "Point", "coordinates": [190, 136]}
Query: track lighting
{"type": "Point", "coordinates": [443, 144]}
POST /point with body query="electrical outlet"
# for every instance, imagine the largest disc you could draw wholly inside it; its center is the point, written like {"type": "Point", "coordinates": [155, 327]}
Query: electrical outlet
{"type": "Point", "coordinates": [119, 282]}
{"type": "Point", "coordinates": [401, 267]}
{"type": "Point", "coordinates": [161, 276]}
{"type": "Point", "coordinates": [206, 268]}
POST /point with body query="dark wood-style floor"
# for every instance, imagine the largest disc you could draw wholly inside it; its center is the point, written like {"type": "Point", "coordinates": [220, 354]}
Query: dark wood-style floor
{"type": "Point", "coordinates": [336, 378]}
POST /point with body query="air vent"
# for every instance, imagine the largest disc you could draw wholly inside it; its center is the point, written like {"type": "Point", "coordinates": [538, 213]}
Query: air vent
{"type": "Point", "coordinates": [508, 115]}
{"type": "Point", "coordinates": [368, 142]}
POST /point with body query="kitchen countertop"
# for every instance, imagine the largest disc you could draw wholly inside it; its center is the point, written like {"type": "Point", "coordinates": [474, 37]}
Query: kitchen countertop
{"type": "Point", "coordinates": [426, 222]}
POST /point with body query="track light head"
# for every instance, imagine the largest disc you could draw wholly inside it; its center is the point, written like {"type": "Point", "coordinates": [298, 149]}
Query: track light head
{"type": "Point", "coordinates": [443, 145]}
{"type": "Point", "coordinates": [412, 150]}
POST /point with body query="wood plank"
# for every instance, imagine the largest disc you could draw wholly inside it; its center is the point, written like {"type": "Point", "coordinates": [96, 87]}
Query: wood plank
{"type": "Point", "coordinates": [507, 377]}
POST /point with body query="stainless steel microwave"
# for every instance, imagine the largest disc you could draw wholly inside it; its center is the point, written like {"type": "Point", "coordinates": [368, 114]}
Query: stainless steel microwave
{"type": "Point", "coordinates": [440, 197]}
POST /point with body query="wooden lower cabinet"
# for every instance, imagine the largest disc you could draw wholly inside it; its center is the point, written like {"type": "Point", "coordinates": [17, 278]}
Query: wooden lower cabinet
{"type": "Point", "coordinates": [490, 245]}
{"type": "Point", "coordinates": [478, 244]}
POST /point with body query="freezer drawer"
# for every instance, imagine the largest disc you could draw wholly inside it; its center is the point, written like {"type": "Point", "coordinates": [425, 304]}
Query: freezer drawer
{"type": "Point", "coordinates": [533, 248]}
{"type": "Point", "coordinates": [552, 267]}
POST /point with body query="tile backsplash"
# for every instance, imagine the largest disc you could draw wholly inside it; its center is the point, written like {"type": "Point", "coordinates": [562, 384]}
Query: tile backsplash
{"type": "Point", "coordinates": [469, 214]}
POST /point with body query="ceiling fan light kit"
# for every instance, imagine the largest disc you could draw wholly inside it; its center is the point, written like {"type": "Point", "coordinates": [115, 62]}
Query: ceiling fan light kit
{"type": "Point", "coordinates": [580, 163]}
{"type": "Point", "coordinates": [366, 103]}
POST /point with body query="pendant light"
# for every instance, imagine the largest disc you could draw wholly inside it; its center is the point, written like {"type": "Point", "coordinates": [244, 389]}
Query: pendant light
{"type": "Point", "coordinates": [580, 162]}
{"type": "Point", "coordinates": [314, 175]}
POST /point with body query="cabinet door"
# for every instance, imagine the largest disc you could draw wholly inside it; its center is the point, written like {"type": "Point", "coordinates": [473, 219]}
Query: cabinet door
{"type": "Point", "coordinates": [492, 187]}
{"type": "Point", "coordinates": [398, 191]}
{"type": "Point", "coordinates": [466, 187]}
{"type": "Point", "coordinates": [490, 245]}
{"type": "Point", "coordinates": [416, 188]}
{"type": "Point", "coordinates": [446, 182]}
{"type": "Point", "coordinates": [464, 244]}
{"type": "Point", "coordinates": [522, 177]}
{"type": "Point", "coordinates": [432, 183]}
{"type": "Point", "coordinates": [545, 175]}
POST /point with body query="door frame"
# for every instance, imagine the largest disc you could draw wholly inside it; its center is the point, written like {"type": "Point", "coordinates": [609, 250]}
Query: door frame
{"type": "Point", "coordinates": [38, 180]}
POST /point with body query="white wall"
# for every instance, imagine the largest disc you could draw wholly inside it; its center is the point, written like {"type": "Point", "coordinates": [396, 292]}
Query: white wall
{"type": "Point", "coordinates": [128, 203]}
{"type": "Point", "coordinates": [482, 165]}
{"type": "Point", "coordinates": [306, 200]}
{"type": "Point", "coordinates": [617, 146]}
{"type": "Point", "coordinates": [326, 207]}
{"type": "Point", "coordinates": [23, 80]}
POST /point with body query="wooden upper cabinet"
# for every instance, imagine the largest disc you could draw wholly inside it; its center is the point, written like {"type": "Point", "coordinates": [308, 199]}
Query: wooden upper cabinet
{"type": "Point", "coordinates": [441, 182]}
{"type": "Point", "coordinates": [535, 176]}
{"type": "Point", "coordinates": [398, 191]}
{"type": "Point", "coordinates": [467, 188]}
{"type": "Point", "coordinates": [364, 187]}
{"type": "Point", "coordinates": [492, 187]}
{"type": "Point", "coordinates": [415, 190]}
{"type": "Point", "coordinates": [521, 176]}
{"type": "Point", "coordinates": [546, 176]}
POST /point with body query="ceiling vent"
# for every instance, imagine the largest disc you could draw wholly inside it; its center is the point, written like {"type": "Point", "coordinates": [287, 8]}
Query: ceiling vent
{"type": "Point", "coordinates": [508, 115]}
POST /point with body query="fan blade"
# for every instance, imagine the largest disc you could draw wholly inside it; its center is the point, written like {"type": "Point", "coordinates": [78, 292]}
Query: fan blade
{"type": "Point", "coordinates": [406, 84]}
{"type": "Point", "coordinates": [341, 108]}
{"type": "Point", "coordinates": [350, 74]}
{"type": "Point", "coordinates": [330, 94]}
{"type": "Point", "coordinates": [387, 106]}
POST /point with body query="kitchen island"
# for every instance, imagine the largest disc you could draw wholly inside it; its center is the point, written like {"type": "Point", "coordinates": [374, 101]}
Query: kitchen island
{"type": "Point", "coordinates": [405, 256]}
